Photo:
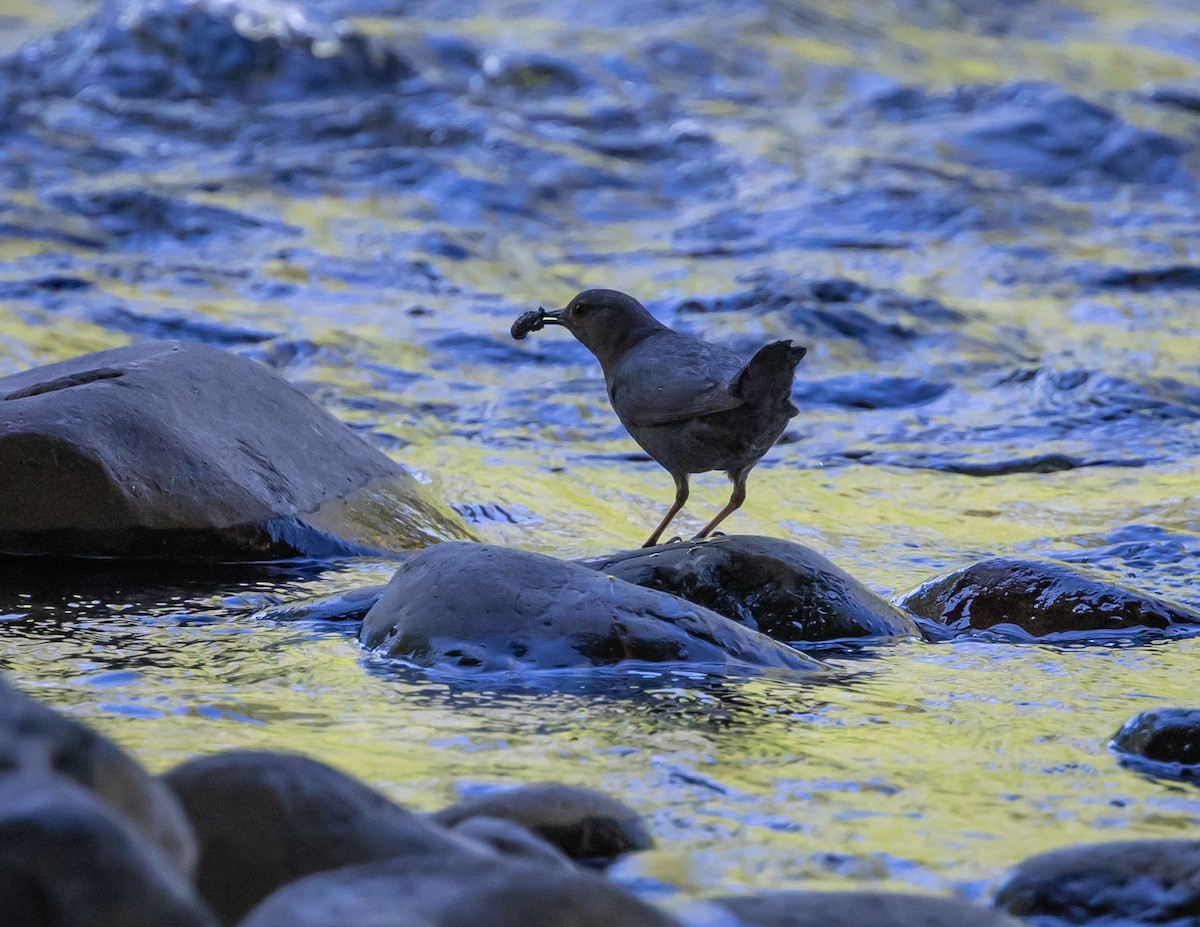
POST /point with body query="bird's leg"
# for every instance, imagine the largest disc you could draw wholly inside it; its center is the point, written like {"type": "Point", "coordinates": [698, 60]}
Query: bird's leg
{"type": "Point", "coordinates": [681, 495]}
{"type": "Point", "coordinates": [735, 502]}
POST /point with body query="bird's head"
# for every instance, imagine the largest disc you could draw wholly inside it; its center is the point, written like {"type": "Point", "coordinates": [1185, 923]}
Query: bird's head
{"type": "Point", "coordinates": [606, 322]}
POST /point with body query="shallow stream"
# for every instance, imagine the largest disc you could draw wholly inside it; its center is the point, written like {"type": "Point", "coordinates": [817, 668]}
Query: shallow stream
{"type": "Point", "coordinates": [997, 281]}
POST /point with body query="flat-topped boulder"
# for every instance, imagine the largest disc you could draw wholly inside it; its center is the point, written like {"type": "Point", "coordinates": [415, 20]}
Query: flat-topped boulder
{"type": "Point", "coordinates": [477, 605]}
{"type": "Point", "coordinates": [1033, 599]}
{"type": "Point", "coordinates": [172, 450]}
{"type": "Point", "coordinates": [785, 590]}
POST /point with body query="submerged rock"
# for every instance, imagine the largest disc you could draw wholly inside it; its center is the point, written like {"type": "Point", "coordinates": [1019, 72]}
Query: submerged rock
{"type": "Point", "coordinates": [1162, 742]}
{"type": "Point", "coordinates": [1128, 882]}
{"type": "Point", "coordinates": [1023, 599]}
{"type": "Point", "coordinates": [782, 589]}
{"type": "Point", "coordinates": [459, 889]}
{"type": "Point", "coordinates": [263, 820]}
{"type": "Point", "coordinates": [475, 605]}
{"type": "Point", "coordinates": [858, 909]}
{"type": "Point", "coordinates": [258, 52]}
{"type": "Point", "coordinates": [180, 451]}
{"type": "Point", "coordinates": [38, 742]}
{"type": "Point", "coordinates": [585, 824]}
{"type": "Point", "coordinates": [67, 858]}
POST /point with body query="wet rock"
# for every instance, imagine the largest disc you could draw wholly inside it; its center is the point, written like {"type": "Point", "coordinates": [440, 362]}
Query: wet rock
{"type": "Point", "coordinates": [585, 824]}
{"type": "Point", "coordinates": [1129, 882]}
{"type": "Point", "coordinates": [1038, 132]}
{"type": "Point", "coordinates": [263, 820]}
{"type": "Point", "coordinates": [1023, 599]}
{"type": "Point", "coordinates": [858, 909]}
{"type": "Point", "coordinates": [351, 605]}
{"type": "Point", "coordinates": [170, 450]}
{"type": "Point", "coordinates": [782, 589]}
{"type": "Point", "coordinates": [1163, 742]}
{"type": "Point", "coordinates": [179, 49]}
{"type": "Point", "coordinates": [37, 741]}
{"type": "Point", "coordinates": [459, 889]}
{"type": "Point", "coordinates": [68, 858]}
{"type": "Point", "coordinates": [475, 605]}
{"type": "Point", "coordinates": [511, 839]}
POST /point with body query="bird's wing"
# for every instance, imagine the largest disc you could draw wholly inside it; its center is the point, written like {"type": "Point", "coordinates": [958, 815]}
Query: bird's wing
{"type": "Point", "coordinates": [670, 378]}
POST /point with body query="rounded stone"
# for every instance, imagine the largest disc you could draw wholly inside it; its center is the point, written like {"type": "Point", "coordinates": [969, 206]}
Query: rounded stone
{"type": "Point", "coordinates": [784, 590]}
{"type": "Point", "coordinates": [1163, 742]}
{"type": "Point", "coordinates": [858, 909]}
{"type": "Point", "coordinates": [265, 819]}
{"type": "Point", "coordinates": [477, 605]}
{"type": "Point", "coordinates": [1134, 881]}
{"type": "Point", "coordinates": [466, 888]}
{"type": "Point", "coordinates": [38, 741]}
{"type": "Point", "coordinates": [584, 824]}
{"type": "Point", "coordinates": [1033, 599]}
{"type": "Point", "coordinates": [68, 858]}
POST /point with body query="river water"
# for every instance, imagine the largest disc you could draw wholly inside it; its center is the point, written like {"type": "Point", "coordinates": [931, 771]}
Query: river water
{"type": "Point", "coordinates": [996, 279]}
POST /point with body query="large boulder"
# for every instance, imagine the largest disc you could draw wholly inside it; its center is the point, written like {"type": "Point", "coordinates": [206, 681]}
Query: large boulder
{"type": "Point", "coordinates": [1128, 882]}
{"type": "Point", "coordinates": [265, 819]}
{"type": "Point", "coordinates": [66, 858]}
{"type": "Point", "coordinates": [858, 909]}
{"type": "Point", "coordinates": [783, 589]}
{"type": "Point", "coordinates": [173, 450]}
{"type": "Point", "coordinates": [584, 824]}
{"type": "Point", "coordinates": [467, 888]}
{"type": "Point", "coordinates": [37, 741]}
{"type": "Point", "coordinates": [1024, 599]}
{"type": "Point", "coordinates": [1162, 742]}
{"type": "Point", "coordinates": [476, 605]}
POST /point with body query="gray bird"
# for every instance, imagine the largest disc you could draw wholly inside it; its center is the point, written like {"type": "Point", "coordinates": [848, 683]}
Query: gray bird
{"type": "Point", "coordinates": [693, 406]}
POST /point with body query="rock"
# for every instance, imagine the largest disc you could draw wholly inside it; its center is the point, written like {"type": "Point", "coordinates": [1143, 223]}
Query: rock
{"type": "Point", "coordinates": [476, 605]}
{"type": "Point", "coordinates": [66, 858]}
{"type": "Point", "coordinates": [180, 451]}
{"type": "Point", "coordinates": [782, 589]}
{"type": "Point", "coordinates": [181, 49]}
{"type": "Point", "coordinates": [1023, 599]}
{"type": "Point", "coordinates": [510, 839]}
{"type": "Point", "coordinates": [1128, 882]}
{"type": "Point", "coordinates": [858, 909]}
{"type": "Point", "coordinates": [1163, 742]}
{"type": "Point", "coordinates": [37, 741]}
{"type": "Point", "coordinates": [584, 824]}
{"type": "Point", "coordinates": [461, 889]}
{"type": "Point", "coordinates": [265, 819]}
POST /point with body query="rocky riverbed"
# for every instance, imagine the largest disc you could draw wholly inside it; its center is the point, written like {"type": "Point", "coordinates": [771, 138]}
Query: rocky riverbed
{"type": "Point", "coordinates": [982, 529]}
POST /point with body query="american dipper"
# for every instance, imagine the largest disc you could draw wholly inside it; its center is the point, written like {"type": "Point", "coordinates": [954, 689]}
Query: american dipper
{"type": "Point", "coordinates": [691, 405]}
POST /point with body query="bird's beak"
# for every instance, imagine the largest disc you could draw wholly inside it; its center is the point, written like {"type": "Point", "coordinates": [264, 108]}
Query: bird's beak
{"type": "Point", "coordinates": [552, 318]}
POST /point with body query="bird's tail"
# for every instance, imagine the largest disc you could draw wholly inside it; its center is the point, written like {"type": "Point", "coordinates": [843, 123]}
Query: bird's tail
{"type": "Point", "coordinates": [768, 376]}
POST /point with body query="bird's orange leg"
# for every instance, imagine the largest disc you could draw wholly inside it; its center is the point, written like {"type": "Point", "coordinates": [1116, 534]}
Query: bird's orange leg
{"type": "Point", "coordinates": [681, 496]}
{"type": "Point", "coordinates": [735, 503]}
